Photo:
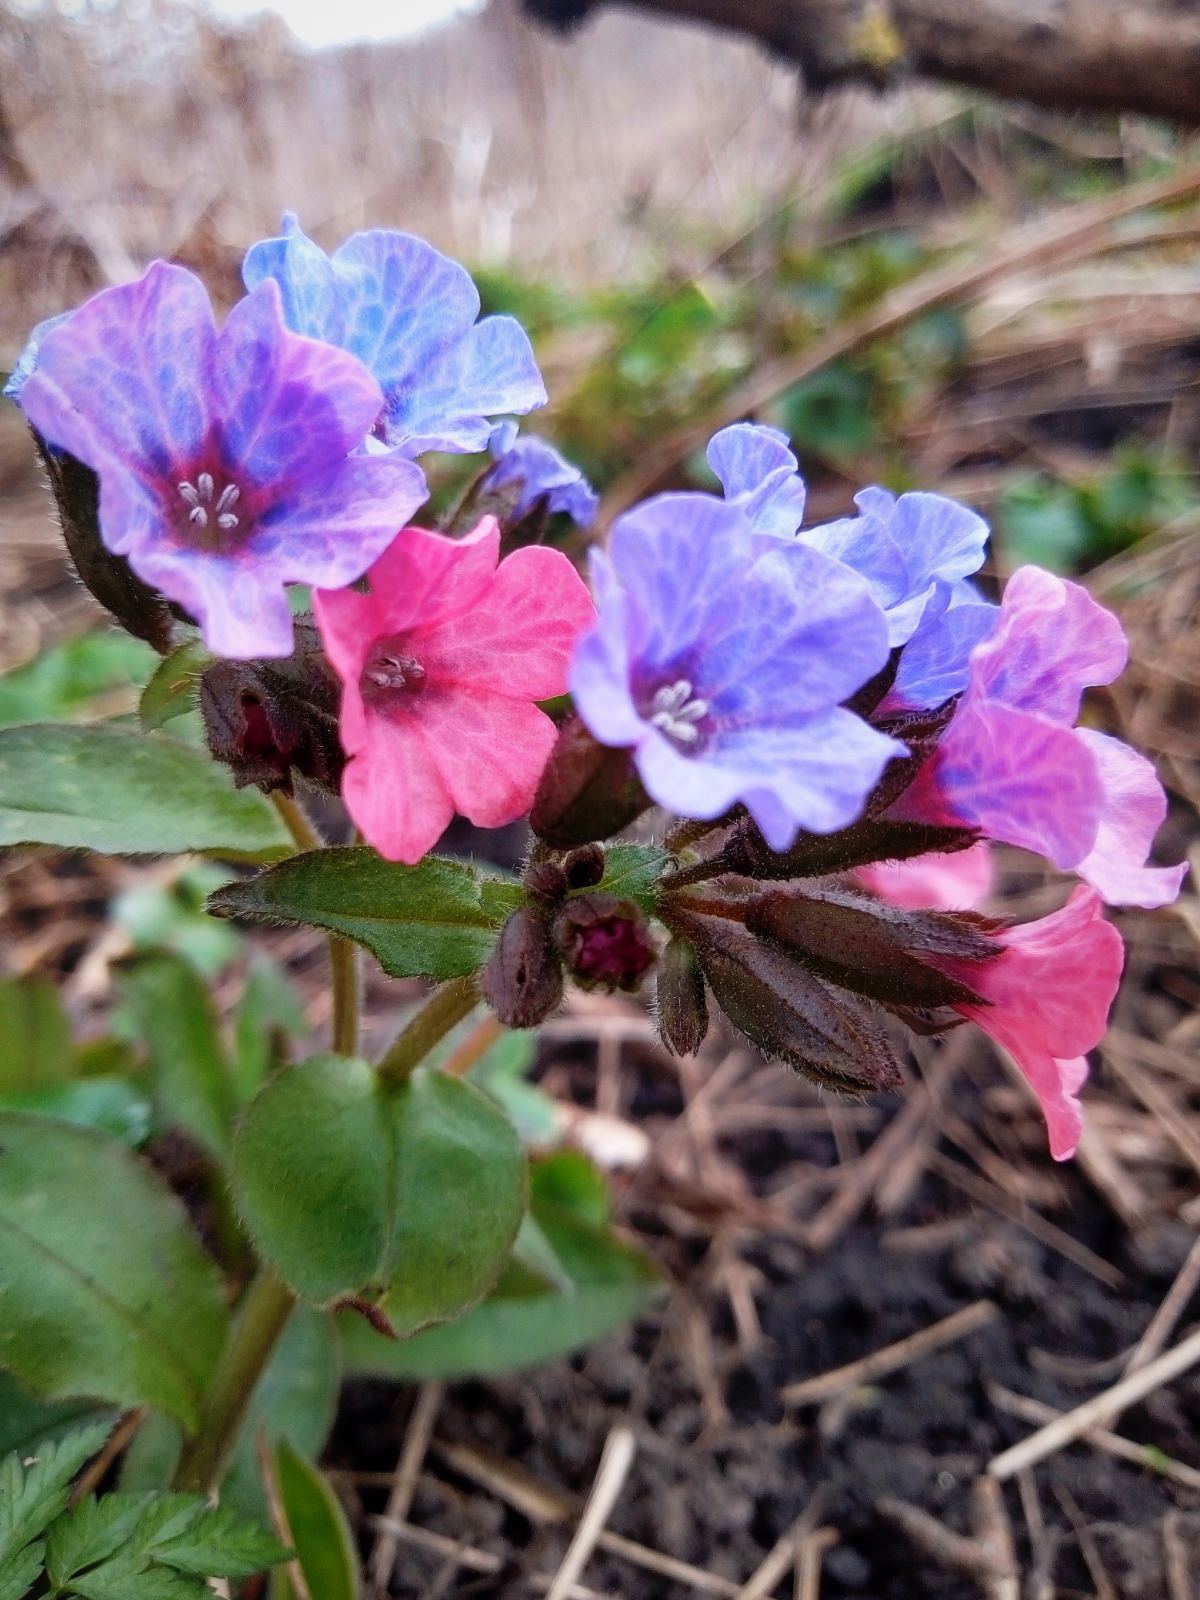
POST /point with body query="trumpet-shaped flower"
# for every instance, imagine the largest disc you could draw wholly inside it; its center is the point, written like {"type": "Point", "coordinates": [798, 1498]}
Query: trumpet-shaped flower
{"type": "Point", "coordinates": [721, 656]}
{"type": "Point", "coordinates": [1013, 765]}
{"type": "Point", "coordinates": [223, 457]}
{"type": "Point", "coordinates": [410, 315]}
{"type": "Point", "coordinates": [441, 663]}
{"type": "Point", "coordinates": [535, 470]}
{"type": "Point", "coordinates": [958, 880]}
{"type": "Point", "coordinates": [1048, 996]}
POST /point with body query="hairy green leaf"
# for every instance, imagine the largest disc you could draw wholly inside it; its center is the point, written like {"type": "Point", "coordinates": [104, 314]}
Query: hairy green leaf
{"type": "Point", "coordinates": [435, 920]}
{"type": "Point", "coordinates": [107, 1292]}
{"type": "Point", "coordinates": [124, 792]}
{"type": "Point", "coordinates": [632, 871]}
{"type": "Point", "coordinates": [406, 1195]}
{"type": "Point", "coordinates": [174, 687]}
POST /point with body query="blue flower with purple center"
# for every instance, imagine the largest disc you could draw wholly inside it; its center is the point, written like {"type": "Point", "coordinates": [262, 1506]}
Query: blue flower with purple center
{"type": "Point", "coordinates": [916, 552]}
{"type": "Point", "coordinates": [224, 457]}
{"type": "Point", "coordinates": [722, 656]}
{"type": "Point", "coordinates": [540, 474]}
{"type": "Point", "coordinates": [27, 360]}
{"type": "Point", "coordinates": [410, 315]}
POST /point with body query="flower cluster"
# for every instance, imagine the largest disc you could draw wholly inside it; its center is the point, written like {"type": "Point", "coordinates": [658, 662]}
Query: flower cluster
{"type": "Point", "coordinates": [837, 715]}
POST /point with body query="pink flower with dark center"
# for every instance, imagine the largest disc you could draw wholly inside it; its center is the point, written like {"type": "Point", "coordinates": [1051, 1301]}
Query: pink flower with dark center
{"type": "Point", "coordinates": [1048, 996]}
{"type": "Point", "coordinates": [441, 663]}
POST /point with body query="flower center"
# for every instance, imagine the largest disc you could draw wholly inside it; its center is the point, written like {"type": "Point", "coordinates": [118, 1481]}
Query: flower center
{"type": "Point", "coordinates": [678, 712]}
{"type": "Point", "coordinates": [207, 510]}
{"type": "Point", "coordinates": [390, 669]}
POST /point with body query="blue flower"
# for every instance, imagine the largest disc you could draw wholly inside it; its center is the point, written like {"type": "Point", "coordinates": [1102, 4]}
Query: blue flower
{"type": "Point", "coordinates": [722, 656]}
{"type": "Point", "coordinates": [916, 552]}
{"type": "Point", "coordinates": [228, 461]}
{"type": "Point", "coordinates": [542, 474]}
{"type": "Point", "coordinates": [409, 314]}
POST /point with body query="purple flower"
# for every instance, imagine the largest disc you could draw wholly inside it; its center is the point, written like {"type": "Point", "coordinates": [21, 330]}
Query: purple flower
{"type": "Point", "coordinates": [1013, 765]}
{"type": "Point", "coordinates": [541, 473]}
{"type": "Point", "coordinates": [722, 657]}
{"type": "Point", "coordinates": [915, 552]}
{"type": "Point", "coordinates": [409, 314]}
{"type": "Point", "coordinates": [223, 457]}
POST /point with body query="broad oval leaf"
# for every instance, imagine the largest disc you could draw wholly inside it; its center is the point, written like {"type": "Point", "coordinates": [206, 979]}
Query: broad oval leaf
{"type": "Point", "coordinates": [408, 1196]}
{"type": "Point", "coordinates": [124, 792]}
{"type": "Point", "coordinates": [105, 1290]}
{"type": "Point", "coordinates": [528, 1318]}
{"type": "Point", "coordinates": [435, 920]}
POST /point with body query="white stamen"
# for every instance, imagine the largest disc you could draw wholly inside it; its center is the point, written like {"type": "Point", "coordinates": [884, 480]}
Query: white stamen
{"type": "Point", "coordinates": [675, 711]}
{"type": "Point", "coordinates": [198, 498]}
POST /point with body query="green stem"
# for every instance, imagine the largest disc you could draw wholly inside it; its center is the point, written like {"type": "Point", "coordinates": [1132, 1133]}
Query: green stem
{"type": "Point", "coordinates": [445, 1007]}
{"type": "Point", "coordinates": [343, 969]}
{"type": "Point", "coordinates": [304, 835]}
{"type": "Point", "coordinates": [262, 1316]}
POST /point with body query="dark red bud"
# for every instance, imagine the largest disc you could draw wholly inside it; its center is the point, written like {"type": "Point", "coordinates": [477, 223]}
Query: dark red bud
{"type": "Point", "coordinates": [522, 978]}
{"type": "Point", "coordinates": [604, 941]}
{"type": "Point", "coordinates": [545, 881]}
{"type": "Point", "coordinates": [682, 1007]}
{"type": "Point", "coordinates": [587, 791]}
{"type": "Point", "coordinates": [269, 720]}
{"type": "Point", "coordinates": [139, 609]}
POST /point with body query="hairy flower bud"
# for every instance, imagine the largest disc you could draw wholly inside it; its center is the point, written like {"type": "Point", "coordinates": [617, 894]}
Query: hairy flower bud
{"type": "Point", "coordinates": [139, 609]}
{"type": "Point", "coordinates": [587, 791]}
{"type": "Point", "coordinates": [682, 1007]}
{"type": "Point", "coordinates": [522, 978]}
{"type": "Point", "coordinates": [270, 719]}
{"type": "Point", "coordinates": [784, 1008]}
{"type": "Point", "coordinates": [817, 854]}
{"type": "Point", "coordinates": [545, 882]}
{"type": "Point", "coordinates": [604, 941]}
{"type": "Point", "coordinates": [585, 867]}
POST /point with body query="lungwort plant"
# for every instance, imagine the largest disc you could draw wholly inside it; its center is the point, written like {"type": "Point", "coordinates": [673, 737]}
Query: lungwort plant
{"type": "Point", "coordinates": [816, 730]}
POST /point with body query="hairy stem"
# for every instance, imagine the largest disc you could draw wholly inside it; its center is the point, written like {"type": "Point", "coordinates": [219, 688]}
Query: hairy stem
{"type": "Point", "coordinates": [262, 1316]}
{"type": "Point", "coordinates": [343, 958]}
{"type": "Point", "coordinates": [445, 1007]}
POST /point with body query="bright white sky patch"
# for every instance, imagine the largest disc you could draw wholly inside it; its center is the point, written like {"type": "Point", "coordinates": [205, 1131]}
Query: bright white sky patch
{"type": "Point", "coordinates": [320, 23]}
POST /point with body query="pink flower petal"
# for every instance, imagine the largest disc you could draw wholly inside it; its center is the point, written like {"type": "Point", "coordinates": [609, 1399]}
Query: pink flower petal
{"type": "Point", "coordinates": [519, 635]}
{"type": "Point", "coordinates": [423, 578]}
{"type": "Point", "coordinates": [395, 793]}
{"type": "Point", "coordinates": [1133, 810]}
{"type": "Point", "coordinates": [1050, 995]}
{"type": "Point", "coordinates": [489, 750]}
{"type": "Point", "coordinates": [959, 880]}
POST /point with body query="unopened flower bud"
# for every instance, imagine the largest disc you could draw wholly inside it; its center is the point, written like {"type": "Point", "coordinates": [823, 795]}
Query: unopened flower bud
{"type": "Point", "coordinates": [268, 720]}
{"type": "Point", "coordinates": [682, 1007]}
{"type": "Point", "coordinates": [522, 978]}
{"type": "Point", "coordinates": [545, 881]}
{"type": "Point", "coordinates": [604, 941]}
{"type": "Point", "coordinates": [587, 791]}
{"type": "Point", "coordinates": [139, 609]}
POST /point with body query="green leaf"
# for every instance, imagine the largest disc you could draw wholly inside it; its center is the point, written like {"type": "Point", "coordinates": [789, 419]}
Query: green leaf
{"type": "Point", "coordinates": [123, 1579]}
{"type": "Point", "coordinates": [296, 1400]}
{"type": "Point", "coordinates": [172, 917]}
{"type": "Point", "coordinates": [569, 1181]}
{"type": "Point", "coordinates": [502, 1071]}
{"type": "Point", "coordinates": [37, 1036]}
{"type": "Point", "coordinates": [632, 871]}
{"type": "Point", "coordinates": [27, 1423]}
{"type": "Point", "coordinates": [32, 1495]}
{"type": "Point", "coordinates": [192, 1078]}
{"type": "Point", "coordinates": [435, 920]}
{"type": "Point", "coordinates": [20, 1571]}
{"type": "Point", "coordinates": [527, 1319]}
{"type": "Point", "coordinates": [409, 1195]}
{"type": "Point", "coordinates": [106, 1291]}
{"type": "Point", "coordinates": [320, 1532]}
{"type": "Point", "coordinates": [175, 686]}
{"type": "Point", "coordinates": [67, 681]}
{"type": "Point", "coordinates": [110, 1105]}
{"type": "Point", "coordinates": [90, 1533]}
{"type": "Point", "coordinates": [127, 793]}
{"type": "Point", "coordinates": [221, 1544]}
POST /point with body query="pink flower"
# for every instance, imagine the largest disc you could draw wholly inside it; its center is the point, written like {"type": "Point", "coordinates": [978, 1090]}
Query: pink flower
{"type": "Point", "coordinates": [955, 881]}
{"type": "Point", "coordinates": [1013, 764]}
{"type": "Point", "coordinates": [1049, 995]}
{"type": "Point", "coordinates": [441, 663]}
